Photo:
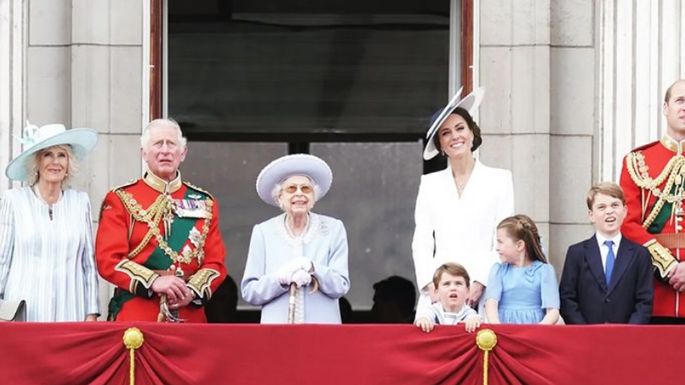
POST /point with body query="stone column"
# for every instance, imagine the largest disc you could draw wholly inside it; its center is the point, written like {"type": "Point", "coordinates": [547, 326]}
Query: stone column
{"type": "Point", "coordinates": [573, 123]}
{"type": "Point", "coordinates": [640, 55]}
{"type": "Point", "coordinates": [12, 37]}
{"type": "Point", "coordinates": [515, 115]}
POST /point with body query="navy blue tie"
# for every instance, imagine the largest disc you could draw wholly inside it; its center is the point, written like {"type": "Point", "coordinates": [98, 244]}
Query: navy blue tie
{"type": "Point", "coordinates": [611, 258]}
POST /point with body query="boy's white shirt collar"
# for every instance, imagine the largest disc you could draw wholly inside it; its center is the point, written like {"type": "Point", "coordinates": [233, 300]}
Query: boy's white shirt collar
{"type": "Point", "coordinates": [601, 239]}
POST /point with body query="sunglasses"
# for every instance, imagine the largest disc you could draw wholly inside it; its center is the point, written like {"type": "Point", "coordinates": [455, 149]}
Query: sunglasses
{"type": "Point", "coordinates": [292, 188]}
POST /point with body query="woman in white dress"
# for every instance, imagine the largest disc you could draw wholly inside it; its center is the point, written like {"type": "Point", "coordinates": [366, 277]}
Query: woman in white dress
{"type": "Point", "coordinates": [297, 263]}
{"type": "Point", "coordinates": [46, 237]}
{"type": "Point", "coordinates": [458, 208]}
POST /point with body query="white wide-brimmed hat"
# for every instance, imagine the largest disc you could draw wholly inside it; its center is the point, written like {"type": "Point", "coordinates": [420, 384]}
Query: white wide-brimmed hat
{"type": "Point", "coordinates": [290, 165]}
{"type": "Point", "coordinates": [470, 103]}
{"type": "Point", "coordinates": [81, 140]}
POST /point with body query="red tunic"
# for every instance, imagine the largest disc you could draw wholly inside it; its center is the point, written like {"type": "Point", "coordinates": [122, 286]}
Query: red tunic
{"type": "Point", "coordinates": [667, 302]}
{"type": "Point", "coordinates": [119, 234]}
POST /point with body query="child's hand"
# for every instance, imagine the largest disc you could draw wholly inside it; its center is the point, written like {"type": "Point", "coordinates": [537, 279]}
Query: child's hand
{"type": "Point", "coordinates": [424, 324]}
{"type": "Point", "coordinates": [471, 324]}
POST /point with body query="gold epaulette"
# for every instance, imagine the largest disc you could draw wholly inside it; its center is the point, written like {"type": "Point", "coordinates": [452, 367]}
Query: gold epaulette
{"type": "Point", "coordinates": [199, 189]}
{"type": "Point", "coordinates": [129, 183]}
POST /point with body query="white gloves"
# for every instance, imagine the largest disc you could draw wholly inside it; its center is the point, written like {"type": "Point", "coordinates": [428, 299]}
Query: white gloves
{"type": "Point", "coordinates": [295, 271]}
{"type": "Point", "coordinates": [301, 278]}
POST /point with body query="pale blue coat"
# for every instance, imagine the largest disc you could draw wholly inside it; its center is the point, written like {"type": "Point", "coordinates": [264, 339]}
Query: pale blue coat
{"type": "Point", "coordinates": [325, 243]}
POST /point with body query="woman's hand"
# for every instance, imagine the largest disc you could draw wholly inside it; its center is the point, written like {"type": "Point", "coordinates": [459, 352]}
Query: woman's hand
{"type": "Point", "coordinates": [475, 293]}
{"type": "Point", "coordinates": [91, 318]}
{"type": "Point", "coordinates": [291, 268]}
{"type": "Point", "coordinates": [301, 278]}
{"type": "Point", "coordinates": [432, 293]}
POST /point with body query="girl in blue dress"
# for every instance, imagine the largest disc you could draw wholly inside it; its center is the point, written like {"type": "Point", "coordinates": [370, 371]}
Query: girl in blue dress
{"type": "Point", "coordinates": [522, 289]}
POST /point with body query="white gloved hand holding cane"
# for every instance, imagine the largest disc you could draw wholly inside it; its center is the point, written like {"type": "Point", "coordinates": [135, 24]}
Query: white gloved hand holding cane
{"type": "Point", "coordinates": [294, 271]}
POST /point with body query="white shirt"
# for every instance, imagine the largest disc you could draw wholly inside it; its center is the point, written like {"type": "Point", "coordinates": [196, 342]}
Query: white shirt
{"type": "Point", "coordinates": [604, 249]}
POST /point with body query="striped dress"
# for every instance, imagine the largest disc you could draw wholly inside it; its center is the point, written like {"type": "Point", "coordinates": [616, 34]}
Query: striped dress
{"type": "Point", "coordinates": [48, 262]}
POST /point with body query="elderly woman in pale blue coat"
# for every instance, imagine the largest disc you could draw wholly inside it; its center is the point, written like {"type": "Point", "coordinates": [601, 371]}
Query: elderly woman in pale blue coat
{"type": "Point", "coordinates": [297, 263]}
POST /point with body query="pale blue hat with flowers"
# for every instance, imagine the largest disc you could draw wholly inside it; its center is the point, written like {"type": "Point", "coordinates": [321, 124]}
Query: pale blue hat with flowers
{"type": "Point", "coordinates": [81, 140]}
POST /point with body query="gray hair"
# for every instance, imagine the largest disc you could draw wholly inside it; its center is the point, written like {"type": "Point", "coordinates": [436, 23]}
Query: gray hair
{"type": "Point", "coordinates": [278, 188]}
{"type": "Point", "coordinates": [145, 137]}
{"type": "Point", "coordinates": [33, 165]}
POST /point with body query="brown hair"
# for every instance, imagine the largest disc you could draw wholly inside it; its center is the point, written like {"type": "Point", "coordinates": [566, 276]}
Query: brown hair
{"type": "Point", "coordinates": [470, 123]}
{"type": "Point", "coordinates": [521, 228]}
{"type": "Point", "coordinates": [451, 268]}
{"type": "Point", "coordinates": [607, 188]}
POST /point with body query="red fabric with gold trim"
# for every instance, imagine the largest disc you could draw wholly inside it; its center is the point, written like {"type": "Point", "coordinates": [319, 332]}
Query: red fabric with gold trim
{"type": "Point", "coordinates": [113, 244]}
{"type": "Point", "coordinates": [93, 353]}
{"type": "Point", "coordinates": [667, 302]}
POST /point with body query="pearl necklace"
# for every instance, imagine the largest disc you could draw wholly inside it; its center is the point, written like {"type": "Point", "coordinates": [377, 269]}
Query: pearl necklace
{"type": "Point", "coordinates": [290, 232]}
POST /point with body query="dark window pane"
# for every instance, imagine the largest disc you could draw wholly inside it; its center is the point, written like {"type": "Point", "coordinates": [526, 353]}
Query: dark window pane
{"type": "Point", "coordinates": [229, 172]}
{"type": "Point", "coordinates": [373, 193]}
{"type": "Point", "coordinates": [268, 71]}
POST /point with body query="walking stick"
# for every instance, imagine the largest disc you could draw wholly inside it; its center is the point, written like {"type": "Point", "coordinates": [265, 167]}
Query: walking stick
{"type": "Point", "coordinates": [291, 303]}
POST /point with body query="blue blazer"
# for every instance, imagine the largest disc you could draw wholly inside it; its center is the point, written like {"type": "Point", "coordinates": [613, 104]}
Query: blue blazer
{"type": "Point", "coordinates": [587, 299]}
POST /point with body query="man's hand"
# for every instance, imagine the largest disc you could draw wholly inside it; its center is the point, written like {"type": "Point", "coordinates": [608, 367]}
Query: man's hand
{"type": "Point", "coordinates": [185, 301]}
{"type": "Point", "coordinates": [173, 287]}
{"type": "Point", "coordinates": [91, 318]}
{"type": "Point", "coordinates": [424, 324]}
{"type": "Point", "coordinates": [676, 277]}
{"type": "Point", "coordinates": [474, 294]}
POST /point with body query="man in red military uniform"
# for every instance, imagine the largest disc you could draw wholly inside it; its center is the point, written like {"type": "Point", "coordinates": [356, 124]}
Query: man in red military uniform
{"type": "Point", "coordinates": [158, 238]}
{"type": "Point", "coordinates": [653, 179]}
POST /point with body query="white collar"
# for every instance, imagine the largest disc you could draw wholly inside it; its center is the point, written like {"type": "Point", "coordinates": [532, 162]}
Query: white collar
{"type": "Point", "coordinates": [601, 239]}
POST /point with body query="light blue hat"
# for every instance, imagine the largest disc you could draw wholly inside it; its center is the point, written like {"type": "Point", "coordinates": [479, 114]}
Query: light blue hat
{"type": "Point", "coordinates": [81, 140]}
{"type": "Point", "coordinates": [296, 164]}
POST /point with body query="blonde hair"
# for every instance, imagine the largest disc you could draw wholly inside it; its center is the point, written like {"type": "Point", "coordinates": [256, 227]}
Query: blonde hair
{"type": "Point", "coordinates": [33, 165]}
{"type": "Point", "coordinates": [454, 269]}
{"type": "Point", "coordinates": [607, 188]}
{"type": "Point", "coordinates": [521, 228]}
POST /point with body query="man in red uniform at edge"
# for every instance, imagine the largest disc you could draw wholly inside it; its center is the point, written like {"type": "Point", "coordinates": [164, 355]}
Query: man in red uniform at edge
{"type": "Point", "coordinates": [158, 238]}
{"type": "Point", "coordinates": [653, 179]}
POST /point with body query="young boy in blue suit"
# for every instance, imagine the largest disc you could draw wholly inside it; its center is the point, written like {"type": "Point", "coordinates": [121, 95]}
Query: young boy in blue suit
{"type": "Point", "coordinates": [607, 278]}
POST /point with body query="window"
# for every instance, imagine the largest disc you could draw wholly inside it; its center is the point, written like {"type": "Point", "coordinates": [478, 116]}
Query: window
{"type": "Point", "coordinates": [354, 82]}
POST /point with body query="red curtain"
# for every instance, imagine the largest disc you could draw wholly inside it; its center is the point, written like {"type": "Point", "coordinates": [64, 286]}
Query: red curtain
{"type": "Point", "coordinates": [93, 353]}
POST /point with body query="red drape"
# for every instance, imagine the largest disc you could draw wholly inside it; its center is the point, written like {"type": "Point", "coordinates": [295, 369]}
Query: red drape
{"type": "Point", "coordinates": [93, 353]}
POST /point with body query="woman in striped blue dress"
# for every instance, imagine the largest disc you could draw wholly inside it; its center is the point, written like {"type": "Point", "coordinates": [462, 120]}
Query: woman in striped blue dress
{"type": "Point", "coordinates": [46, 236]}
